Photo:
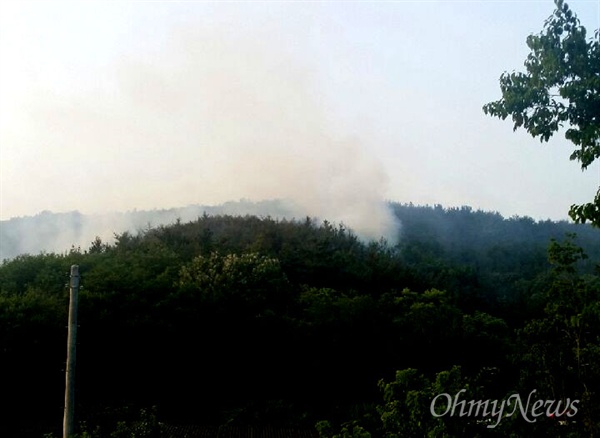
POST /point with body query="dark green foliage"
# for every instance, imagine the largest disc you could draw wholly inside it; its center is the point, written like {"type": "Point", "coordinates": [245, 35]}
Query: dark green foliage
{"type": "Point", "coordinates": [560, 351]}
{"type": "Point", "coordinates": [244, 321]}
{"type": "Point", "coordinates": [252, 283]}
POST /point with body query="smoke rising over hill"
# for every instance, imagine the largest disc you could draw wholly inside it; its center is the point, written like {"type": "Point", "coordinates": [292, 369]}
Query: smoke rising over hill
{"type": "Point", "coordinates": [454, 229]}
{"type": "Point", "coordinates": [58, 232]}
{"type": "Point", "coordinates": [206, 118]}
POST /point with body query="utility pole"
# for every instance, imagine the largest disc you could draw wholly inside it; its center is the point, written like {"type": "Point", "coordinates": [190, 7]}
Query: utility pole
{"type": "Point", "coordinates": [71, 347]}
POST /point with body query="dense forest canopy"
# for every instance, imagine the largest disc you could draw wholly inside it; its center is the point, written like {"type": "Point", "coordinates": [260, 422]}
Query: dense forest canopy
{"type": "Point", "coordinates": [245, 320]}
{"type": "Point", "coordinates": [57, 232]}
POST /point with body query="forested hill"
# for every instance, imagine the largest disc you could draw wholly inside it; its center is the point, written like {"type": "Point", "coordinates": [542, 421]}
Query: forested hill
{"type": "Point", "coordinates": [454, 229]}
{"type": "Point", "coordinates": [249, 321]}
{"type": "Point", "coordinates": [57, 232]}
{"type": "Point", "coordinates": [477, 230]}
{"type": "Point", "coordinates": [481, 238]}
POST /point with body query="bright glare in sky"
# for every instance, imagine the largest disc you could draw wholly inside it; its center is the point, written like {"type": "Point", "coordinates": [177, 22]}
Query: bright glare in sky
{"type": "Point", "coordinates": [111, 106]}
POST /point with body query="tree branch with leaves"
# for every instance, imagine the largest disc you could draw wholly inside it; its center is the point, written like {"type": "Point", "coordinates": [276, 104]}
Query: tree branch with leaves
{"type": "Point", "coordinates": [560, 88]}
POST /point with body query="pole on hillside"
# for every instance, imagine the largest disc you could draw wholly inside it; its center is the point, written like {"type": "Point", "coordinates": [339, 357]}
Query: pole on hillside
{"type": "Point", "coordinates": [71, 347]}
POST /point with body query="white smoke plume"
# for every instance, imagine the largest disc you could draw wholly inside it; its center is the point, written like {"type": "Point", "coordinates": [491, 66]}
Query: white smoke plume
{"type": "Point", "coordinates": [208, 117]}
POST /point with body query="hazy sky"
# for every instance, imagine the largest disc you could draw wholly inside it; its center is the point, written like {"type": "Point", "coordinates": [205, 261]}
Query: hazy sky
{"type": "Point", "coordinates": [337, 105]}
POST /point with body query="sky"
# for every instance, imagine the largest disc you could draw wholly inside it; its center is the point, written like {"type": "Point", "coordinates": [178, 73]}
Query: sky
{"type": "Point", "coordinates": [337, 106]}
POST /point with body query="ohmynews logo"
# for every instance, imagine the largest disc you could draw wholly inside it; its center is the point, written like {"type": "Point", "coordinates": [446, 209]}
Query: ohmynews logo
{"type": "Point", "coordinates": [490, 409]}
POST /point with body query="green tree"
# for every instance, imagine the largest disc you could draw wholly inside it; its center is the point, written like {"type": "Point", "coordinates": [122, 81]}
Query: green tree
{"type": "Point", "coordinates": [561, 86]}
{"type": "Point", "coordinates": [560, 352]}
{"type": "Point", "coordinates": [251, 281]}
{"type": "Point", "coordinates": [408, 402]}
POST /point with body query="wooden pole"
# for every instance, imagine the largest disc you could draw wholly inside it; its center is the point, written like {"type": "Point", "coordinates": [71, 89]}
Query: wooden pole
{"type": "Point", "coordinates": [71, 347]}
